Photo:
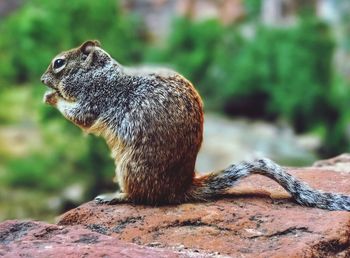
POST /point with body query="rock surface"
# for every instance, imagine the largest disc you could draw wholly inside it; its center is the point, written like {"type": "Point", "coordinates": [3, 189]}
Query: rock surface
{"type": "Point", "coordinates": [339, 163]}
{"type": "Point", "coordinates": [258, 219]}
{"type": "Point", "coordinates": [39, 239]}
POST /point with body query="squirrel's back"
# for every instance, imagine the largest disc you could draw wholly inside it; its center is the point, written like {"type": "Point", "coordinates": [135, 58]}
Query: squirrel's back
{"type": "Point", "coordinates": [159, 126]}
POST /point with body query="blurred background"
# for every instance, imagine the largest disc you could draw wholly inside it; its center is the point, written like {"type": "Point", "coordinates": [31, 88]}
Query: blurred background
{"type": "Point", "coordinates": [274, 76]}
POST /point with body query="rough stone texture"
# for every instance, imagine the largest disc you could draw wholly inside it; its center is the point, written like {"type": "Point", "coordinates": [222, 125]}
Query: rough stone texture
{"type": "Point", "coordinates": [39, 239]}
{"type": "Point", "coordinates": [258, 219]}
{"type": "Point", "coordinates": [339, 163]}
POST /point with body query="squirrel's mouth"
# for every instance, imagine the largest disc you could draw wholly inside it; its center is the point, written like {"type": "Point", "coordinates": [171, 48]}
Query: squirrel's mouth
{"type": "Point", "coordinates": [56, 92]}
{"type": "Point", "coordinates": [53, 95]}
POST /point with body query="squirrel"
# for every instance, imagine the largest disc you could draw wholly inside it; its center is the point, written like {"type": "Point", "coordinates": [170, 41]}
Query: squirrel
{"type": "Point", "coordinates": [152, 120]}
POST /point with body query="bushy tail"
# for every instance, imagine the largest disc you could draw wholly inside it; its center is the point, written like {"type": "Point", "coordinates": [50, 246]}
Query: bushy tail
{"type": "Point", "coordinates": [211, 185]}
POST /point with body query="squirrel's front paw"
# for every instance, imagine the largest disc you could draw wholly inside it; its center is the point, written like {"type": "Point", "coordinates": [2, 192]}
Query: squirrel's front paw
{"type": "Point", "coordinates": [111, 198]}
{"type": "Point", "coordinates": [50, 98]}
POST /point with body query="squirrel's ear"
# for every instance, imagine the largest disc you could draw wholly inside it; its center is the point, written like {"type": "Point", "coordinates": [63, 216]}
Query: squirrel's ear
{"type": "Point", "coordinates": [89, 45]}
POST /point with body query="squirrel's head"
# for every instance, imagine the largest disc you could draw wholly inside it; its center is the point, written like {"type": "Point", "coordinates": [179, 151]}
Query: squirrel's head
{"type": "Point", "coordinates": [78, 79]}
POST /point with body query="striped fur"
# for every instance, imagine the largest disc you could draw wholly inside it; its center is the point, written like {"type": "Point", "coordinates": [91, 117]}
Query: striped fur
{"type": "Point", "coordinates": [217, 183]}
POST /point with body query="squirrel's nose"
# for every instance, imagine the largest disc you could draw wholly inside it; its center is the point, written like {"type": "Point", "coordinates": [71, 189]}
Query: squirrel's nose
{"type": "Point", "coordinates": [42, 78]}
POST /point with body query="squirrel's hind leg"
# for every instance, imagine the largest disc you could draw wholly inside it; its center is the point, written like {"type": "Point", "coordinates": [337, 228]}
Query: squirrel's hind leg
{"type": "Point", "coordinates": [112, 198]}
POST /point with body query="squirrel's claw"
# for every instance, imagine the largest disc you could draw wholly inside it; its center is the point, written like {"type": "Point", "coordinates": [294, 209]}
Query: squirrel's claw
{"type": "Point", "coordinates": [111, 198]}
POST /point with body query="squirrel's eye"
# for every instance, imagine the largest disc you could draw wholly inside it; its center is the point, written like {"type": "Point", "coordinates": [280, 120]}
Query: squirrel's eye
{"type": "Point", "coordinates": [58, 63]}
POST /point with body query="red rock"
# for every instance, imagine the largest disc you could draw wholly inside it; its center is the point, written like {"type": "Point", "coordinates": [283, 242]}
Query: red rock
{"type": "Point", "coordinates": [258, 219]}
{"type": "Point", "coordinates": [251, 224]}
{"type": "Point", "coordinates": [339, 163]}
{"type": "Point", "coordinates": [39, 239]}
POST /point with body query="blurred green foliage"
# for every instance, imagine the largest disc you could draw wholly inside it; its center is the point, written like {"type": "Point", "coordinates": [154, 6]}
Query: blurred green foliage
{"type": "Point", "coordinates": [265, 72]}
{"type": "Point", "coordinates": [252, 9]}
{"type": "Point", "coordinates": [241, 69]}
{"type": "Point", "coordinates": [36, 32]}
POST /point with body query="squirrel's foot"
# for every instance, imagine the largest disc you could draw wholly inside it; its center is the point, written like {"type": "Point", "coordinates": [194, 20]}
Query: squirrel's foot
{"type": "Point", "coordinates": [112, 198]}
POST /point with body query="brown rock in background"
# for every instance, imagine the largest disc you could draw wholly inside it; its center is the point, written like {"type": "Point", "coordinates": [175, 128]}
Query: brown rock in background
{"type": "Point", "coordinates": [258, 219]}
{"type": "Point", "coordinates": [339, 163]}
